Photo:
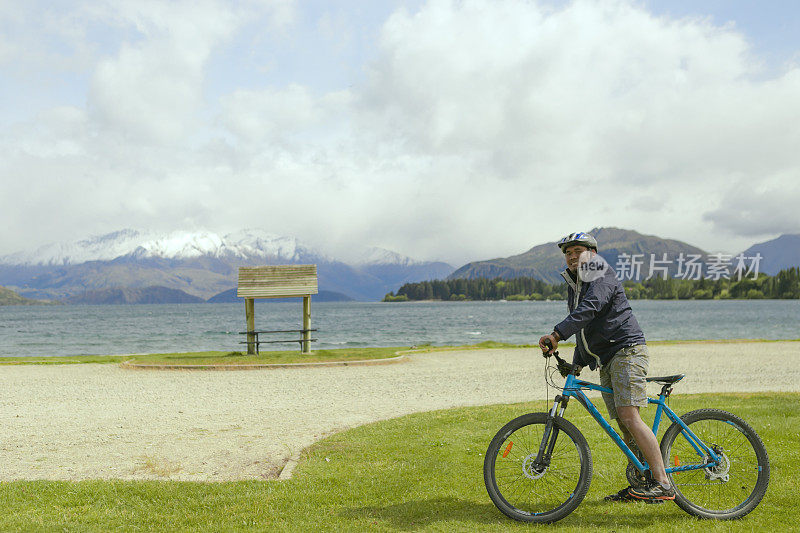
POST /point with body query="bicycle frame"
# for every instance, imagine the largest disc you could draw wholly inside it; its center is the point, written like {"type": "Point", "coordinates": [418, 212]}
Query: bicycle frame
{"type": "Point", "coordinates": [574, 387]}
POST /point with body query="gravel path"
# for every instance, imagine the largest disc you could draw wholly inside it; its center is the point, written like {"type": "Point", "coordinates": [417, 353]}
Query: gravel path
{"type": "Point", "coordinates": [102, 421]}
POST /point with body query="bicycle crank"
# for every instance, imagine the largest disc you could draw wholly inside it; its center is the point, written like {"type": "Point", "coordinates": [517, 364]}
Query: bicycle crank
{"type": "Point", "coordinates": [635, 478]}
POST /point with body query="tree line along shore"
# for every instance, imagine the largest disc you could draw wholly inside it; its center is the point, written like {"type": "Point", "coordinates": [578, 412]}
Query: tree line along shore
{"type": "Point", "coordinates": [784, 285]}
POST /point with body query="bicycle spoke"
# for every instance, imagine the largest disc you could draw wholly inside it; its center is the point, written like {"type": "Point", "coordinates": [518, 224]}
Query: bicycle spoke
{"type": "Point", "coordinates": [542, 491]}
{"type": "Point", "coordinates": [728, 488]}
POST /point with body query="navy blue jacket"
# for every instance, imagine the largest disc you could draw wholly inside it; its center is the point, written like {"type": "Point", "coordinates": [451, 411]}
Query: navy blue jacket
{"type": "Point", "coordinates": [600, 317]}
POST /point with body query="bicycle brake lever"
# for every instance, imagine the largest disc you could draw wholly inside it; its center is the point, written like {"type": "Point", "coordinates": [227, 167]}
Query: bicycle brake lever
{"type": "Point", "coordinates": [562, 364]}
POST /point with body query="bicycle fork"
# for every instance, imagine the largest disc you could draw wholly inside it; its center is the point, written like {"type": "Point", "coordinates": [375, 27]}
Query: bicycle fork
{"type": "Point", "coordinates": [550, 434]}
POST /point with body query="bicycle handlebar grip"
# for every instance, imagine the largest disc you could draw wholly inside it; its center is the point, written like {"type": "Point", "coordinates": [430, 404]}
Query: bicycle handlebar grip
{"type": "Point", "coordinates": [550, 347]}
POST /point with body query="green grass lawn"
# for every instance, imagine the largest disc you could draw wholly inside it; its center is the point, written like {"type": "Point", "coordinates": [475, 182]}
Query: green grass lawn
{"type": "Point", "coordinates": [417, 472]}
{"type": "Point", "coordinates": [294, 356]}
{"type": "Point", "coordinates": [216, 358]}
{"type": "Point", "coordinates": [235, 358]}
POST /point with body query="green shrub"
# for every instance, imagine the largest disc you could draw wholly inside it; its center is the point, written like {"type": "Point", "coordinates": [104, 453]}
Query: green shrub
{"type": "Point", "coordinates": [702, 294]}
{"type": "Point", "coordinates": [516, 297]}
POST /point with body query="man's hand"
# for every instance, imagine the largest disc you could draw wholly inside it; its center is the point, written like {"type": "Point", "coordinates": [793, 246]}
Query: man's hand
{"type": "Point", "coordinates": [548, 350]}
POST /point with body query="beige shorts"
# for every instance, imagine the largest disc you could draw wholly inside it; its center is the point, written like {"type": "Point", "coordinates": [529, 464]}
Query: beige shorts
{"type": "Point", "coordinates": [625, 373]}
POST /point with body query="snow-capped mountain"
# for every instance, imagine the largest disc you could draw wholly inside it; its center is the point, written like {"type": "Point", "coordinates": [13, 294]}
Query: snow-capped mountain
{"type": "Point", "coordinates": [381, 256]}
{"type": "Point", "coordinates": [100, 248]}
{"type": "Point", "coordinates": [246, 244]}
{"type": "Point", "coordinates": [200, 263]}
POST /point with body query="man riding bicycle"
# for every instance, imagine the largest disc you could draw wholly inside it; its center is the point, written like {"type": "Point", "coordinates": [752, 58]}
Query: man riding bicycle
{"type": "Point", "coordinates": [608, 336]}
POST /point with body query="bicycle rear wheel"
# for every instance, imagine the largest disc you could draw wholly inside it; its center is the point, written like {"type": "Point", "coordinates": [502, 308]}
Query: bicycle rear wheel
{"type": "Point", "coordinates": [525, 493]}
{"type": "Point", "coordinates": [730, 489]}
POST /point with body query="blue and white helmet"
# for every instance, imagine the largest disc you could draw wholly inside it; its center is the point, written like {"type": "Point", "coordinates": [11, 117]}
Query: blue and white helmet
{"type": "Point", "coordinates": [581, 238]}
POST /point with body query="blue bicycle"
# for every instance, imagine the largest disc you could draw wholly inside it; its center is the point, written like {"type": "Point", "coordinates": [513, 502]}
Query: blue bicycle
{"type": "Point", "coordinates": [538, 467]}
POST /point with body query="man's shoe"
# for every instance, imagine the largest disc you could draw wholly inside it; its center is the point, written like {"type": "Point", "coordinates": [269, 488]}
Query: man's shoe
{"type": "Point", "coordinates": [653, 492]}
{"type": "Point", "coordinates": [622, 496]}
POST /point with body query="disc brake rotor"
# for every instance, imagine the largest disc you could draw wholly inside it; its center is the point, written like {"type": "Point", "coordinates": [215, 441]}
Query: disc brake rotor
{"type": "Point", "coordinates": [721, 469]}
{"type": "Point", "coordinates": [529, 470]}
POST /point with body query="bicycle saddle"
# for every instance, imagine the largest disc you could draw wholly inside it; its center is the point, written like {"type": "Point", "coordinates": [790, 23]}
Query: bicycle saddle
{"type": "Point", "coordinates": [667, 379]}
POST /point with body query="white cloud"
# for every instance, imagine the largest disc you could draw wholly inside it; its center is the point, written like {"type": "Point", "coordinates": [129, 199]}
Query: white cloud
{"type": "Point", "coordinates": [59, 131]}
{"type": "Point", "coordinates": [152, 89]}
{"type": "Point", "coordinates": [602, 87]}
{"type": "Point", "coordinates": [765, 207]}
{"type": "Point", "coordinates": [272, 114]}
{"type": "Point", "coordinates": [480, 128]}
{"type": "Point", "coordinates": [583, 106]}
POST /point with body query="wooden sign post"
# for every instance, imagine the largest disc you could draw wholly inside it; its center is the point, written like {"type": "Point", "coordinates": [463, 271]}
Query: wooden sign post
{"type": "Point", "coordinates": [279, 281]}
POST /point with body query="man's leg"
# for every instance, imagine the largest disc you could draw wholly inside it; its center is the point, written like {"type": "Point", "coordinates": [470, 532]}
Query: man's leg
{"type": "Point", "coordinates": [606, 381]}
{"type": "Point", "coordinates": [635, 427]}
{"type": "Point", "coordinates": [631, 442]}
{"type": "Point", "coordinates": [626, 374]}
{"type": "Point", "coordinates": [626, 435]}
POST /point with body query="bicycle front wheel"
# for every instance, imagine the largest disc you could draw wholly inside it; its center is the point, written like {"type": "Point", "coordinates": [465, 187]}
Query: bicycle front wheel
{"type": "Point", "coordinates": [725, 491]}
{"type": "Point", "coordinates": [530, 494]}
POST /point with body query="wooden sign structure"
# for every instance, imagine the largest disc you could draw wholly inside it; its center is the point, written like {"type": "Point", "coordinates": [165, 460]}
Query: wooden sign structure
{"type": "Point", "coordinates": [278, 281]}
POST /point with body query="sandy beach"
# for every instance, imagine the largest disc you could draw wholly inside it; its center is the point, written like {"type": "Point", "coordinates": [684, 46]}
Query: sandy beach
{"type": "Point", "coordinates": [74, 422]}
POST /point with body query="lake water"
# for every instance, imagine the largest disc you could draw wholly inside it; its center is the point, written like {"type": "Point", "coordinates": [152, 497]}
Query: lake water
{"type": "Point", "coordinates": [120, 329]}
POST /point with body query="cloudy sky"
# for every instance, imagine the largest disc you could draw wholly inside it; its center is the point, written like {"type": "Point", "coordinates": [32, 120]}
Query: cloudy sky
{"type": "Point", "coordinates": [451, 130]}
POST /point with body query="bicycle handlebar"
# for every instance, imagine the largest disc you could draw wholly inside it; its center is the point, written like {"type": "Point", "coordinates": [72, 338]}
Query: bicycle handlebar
{"type": "Point", "coordinates": [562, 364]}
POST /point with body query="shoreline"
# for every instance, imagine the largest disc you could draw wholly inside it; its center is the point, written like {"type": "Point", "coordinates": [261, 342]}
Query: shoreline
{"type": "Point", "coordinates": [551, 300]}
{"type": "Point", "coordinates": [58, 303]}
{"type": "Point", "coordinates": [76, 359]}
{"type": "Point", "coordinates": [99, 421]}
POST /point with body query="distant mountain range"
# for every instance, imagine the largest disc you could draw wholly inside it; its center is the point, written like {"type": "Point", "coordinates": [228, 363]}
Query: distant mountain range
{"type": "Point", "coordinates": [200, 264]}
{"type": "Point", "coordinates": [778, 254]}
{"type": "Point", "coordinates": [9, 297]}
{"type": "Point", "coordinates": [130, 266]}
{"type": "Point", "coordinates": [147, 295]}
{"type": "Point", "coordinates": [229, 296]}
{"type": "Point", "coordinates": [545, 261]}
